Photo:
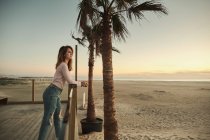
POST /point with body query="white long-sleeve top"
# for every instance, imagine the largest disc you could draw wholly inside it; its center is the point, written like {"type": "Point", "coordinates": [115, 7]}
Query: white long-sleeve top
{"type": "Point", "coordinates": [62, 75]}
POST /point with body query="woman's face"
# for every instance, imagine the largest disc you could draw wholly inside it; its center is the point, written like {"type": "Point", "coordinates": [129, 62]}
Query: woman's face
{"type": "Point", "coordinates": [69, 54]}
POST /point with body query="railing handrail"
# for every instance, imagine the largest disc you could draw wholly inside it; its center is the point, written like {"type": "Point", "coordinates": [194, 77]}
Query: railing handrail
{"type": "Point", "coordinates": [70, 118]}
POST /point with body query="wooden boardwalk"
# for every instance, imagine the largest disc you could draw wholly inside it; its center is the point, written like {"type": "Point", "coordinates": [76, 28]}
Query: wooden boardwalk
{"type": "Point", "coordinates": [22, 122]}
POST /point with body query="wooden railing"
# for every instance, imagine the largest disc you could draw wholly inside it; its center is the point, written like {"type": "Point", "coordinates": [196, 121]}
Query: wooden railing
{"type": "Point", "coordinates": [33, 99]}
{"type": "Point", "coordinates": [70, 124]}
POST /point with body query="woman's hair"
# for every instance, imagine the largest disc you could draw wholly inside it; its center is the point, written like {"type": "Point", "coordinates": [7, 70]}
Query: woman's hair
{"type": "Point", "coordinates": [61, 56]}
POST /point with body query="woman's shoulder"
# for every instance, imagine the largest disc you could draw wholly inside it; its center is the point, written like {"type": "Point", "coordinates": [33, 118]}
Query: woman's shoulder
{"type": "Point", "coordinates": [62, 64]}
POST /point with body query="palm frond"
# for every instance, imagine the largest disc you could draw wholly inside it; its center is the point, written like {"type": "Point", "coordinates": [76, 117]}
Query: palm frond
{"type": "Point", "coordinates": [98, 47]}
{"type": "Point", "coordinates": [80, 41]}
{"type": "Point", "coordinates": [131, 2]}
{"type": "Point", "coordinates": [82, 17]}
{"type": "Point", "coordinates": [123, 4]}
{"type": "Point", "coordinates": [96, 17]}
{"type": "Point", "coordinates": [106, 3]}
{"type": "Point", "coordinates": [99, 3]}
{"type": "Point", "coordinates": [115, 50]}
{"type": "Point", "coordinates": [97, 36]}
{"type": "Point", "coordinates": [82, 20]}
{"type": "Point", "coordinates": [119, 29]}
{"type": "Point", "coordinates": [87, 12]}
{"type": "Point", "coordinates": [137, 9]}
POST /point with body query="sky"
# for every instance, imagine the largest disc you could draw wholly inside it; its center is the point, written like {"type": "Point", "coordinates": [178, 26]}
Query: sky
{"type": "Point", "coordinates": [173, 46]}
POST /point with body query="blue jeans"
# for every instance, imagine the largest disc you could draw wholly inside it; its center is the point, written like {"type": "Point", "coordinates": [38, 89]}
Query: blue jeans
{"type": "Point", "coordinates": [52, 108]}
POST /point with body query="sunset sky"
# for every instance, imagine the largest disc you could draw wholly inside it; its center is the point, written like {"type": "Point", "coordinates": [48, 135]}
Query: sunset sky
{"type": "Point", "coordinates": [173, 46]}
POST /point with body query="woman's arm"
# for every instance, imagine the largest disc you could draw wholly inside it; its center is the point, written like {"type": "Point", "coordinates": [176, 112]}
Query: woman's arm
{"type": "Point", "coordinates": [67, 76]}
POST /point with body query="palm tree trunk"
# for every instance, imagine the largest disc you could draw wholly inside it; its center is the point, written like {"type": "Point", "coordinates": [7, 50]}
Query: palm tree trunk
{"type": "Point", "coordinates": [110, 123]}
{"type": "Point", "coordinates": [91, 106]}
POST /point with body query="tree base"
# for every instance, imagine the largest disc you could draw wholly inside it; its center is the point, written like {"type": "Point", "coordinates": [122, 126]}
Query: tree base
{"type": "Point", "coordinates": [88, 127]}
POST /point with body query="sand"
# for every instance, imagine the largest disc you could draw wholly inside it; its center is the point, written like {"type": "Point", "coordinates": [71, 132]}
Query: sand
{"type": "Point", "coordinates": [158, 110]}
{"type": "Point", "coordinates": [145, 110]}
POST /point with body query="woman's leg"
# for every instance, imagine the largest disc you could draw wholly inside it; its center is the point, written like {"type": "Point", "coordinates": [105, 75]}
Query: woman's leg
{"type": "Point", "coordinates": [57, 121]}
{"type": "Point", "coordinates": [50, 103]}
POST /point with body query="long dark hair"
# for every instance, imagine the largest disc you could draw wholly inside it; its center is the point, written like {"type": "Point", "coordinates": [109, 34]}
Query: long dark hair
{"type": "Point", "coordinates": [61, 56]}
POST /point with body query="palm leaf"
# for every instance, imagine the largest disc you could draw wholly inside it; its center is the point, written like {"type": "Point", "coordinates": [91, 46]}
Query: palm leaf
{"type": "Point", "coordinates": [123, 4]}
{"type": "Point", "coordinates": [115, 49]}
{"type": "Point", "coordinates": [97, 35]}
{"type": "Point", "coordinates": [99, 3]}
{"type": "Point", "coordinates": [119, 29]}
{"type": "Point", "coordinates": [80, 41]}
{"type": "Point", "coordinates": [87, 11]}
{"type": "Point", "coordinates": [136, 10]}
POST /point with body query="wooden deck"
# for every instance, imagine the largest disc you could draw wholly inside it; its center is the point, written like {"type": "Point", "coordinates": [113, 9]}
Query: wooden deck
{"type": "Point", "coordinates": [22, 122]}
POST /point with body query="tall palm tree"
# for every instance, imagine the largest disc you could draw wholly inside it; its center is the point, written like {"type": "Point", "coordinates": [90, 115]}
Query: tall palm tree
{"type": "Point", "coordinates": [88, 35]}
{"type": "Point", "coordinates": [111, 15]}
{"type": "Point", "coordinates": [93, 36]}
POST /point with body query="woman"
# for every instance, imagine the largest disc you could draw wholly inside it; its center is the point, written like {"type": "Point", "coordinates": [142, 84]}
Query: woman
{"type": "Point", "coordinates": [51, 99]}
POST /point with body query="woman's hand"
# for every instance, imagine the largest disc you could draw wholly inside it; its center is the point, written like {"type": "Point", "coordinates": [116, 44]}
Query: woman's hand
{"type": "Point", "coordinates": [84, 84]}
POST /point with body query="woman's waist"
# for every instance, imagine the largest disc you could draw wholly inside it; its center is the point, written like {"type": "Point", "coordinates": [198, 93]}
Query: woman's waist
{"type": "Point", "coordinates": [55, 86]}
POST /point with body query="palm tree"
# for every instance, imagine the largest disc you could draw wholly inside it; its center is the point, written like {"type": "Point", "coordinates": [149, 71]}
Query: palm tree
{"type": "Point", "coordinates": [88, 35]}
{"type": "Point", "coordinates": [93, 36]}
{"type": "Point", "coordinates": [110, 14]}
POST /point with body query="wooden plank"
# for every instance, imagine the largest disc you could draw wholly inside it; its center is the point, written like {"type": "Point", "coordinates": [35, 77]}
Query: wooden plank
{"type": "Point", "coordinates": [22, 122]}
{"type": "Point", "coordinates": [35, 124]}
{"type": "Point", "coordinates": [19, 129]}
{"type": "Point", "coordinates": [25, 129]}
{"type": "Point", "coordinates": [52, 135]}
{"type": "Point", "coordinates": [9, 127]}
{"type": "Point", "coordinates": [3, 123]}
{"type": "Point", "coordinates": [13, 129]}
{"type": "Point", "coordinates": [4, 110]}
{"type": "Point", "coordinates": [36, 127]}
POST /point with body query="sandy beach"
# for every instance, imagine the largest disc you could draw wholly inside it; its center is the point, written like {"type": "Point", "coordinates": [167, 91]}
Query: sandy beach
{"type": "Point", "coordinates": [158, 110]}
{"type": "Point", "coordinates": [145, 110]}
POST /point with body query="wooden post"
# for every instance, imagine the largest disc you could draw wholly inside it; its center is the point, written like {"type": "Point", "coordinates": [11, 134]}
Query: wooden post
{"type": "Point", "coordinates": [71, 116]}
{"type": "Point", "coordinates": [83, 101]}
{"type": "Point", "coordinates": [73, 126]}
{"type": "Point", "coordinates": [33, 90]}
{"type": "Point", "coordinates": [75, 62]}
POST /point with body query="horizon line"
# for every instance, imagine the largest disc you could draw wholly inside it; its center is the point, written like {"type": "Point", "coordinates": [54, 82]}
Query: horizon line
{"type": "Point", "coordinates": [118, 79]}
